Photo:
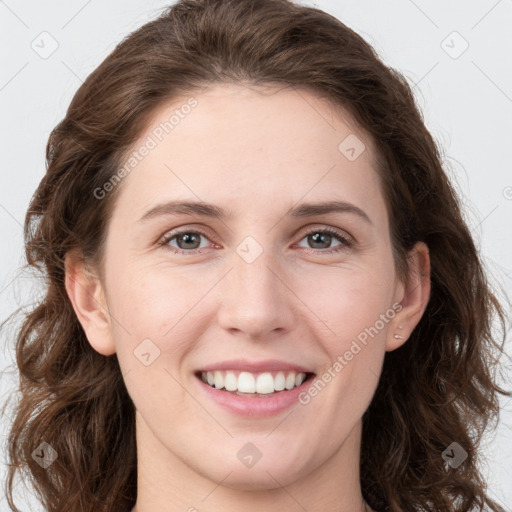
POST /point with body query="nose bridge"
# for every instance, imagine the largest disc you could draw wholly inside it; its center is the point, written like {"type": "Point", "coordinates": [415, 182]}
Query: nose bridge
{"type": "Point", "coordinates": [255, 299]}
{"type": "Point", "coordinates": [255, 271]}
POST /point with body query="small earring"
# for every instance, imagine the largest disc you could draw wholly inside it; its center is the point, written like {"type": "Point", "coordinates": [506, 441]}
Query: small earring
{"type": "Point", "coordinates": [398, 337]}
{"type": "Point", "coordinates": [400, 327]}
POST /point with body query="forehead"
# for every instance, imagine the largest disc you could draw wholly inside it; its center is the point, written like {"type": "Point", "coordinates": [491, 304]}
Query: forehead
{"type": "Point", "coordinates": [265, 147]}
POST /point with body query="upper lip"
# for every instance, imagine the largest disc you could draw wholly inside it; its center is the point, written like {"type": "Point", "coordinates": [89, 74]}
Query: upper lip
{"type": "Point", "coordinates": [272, 365]}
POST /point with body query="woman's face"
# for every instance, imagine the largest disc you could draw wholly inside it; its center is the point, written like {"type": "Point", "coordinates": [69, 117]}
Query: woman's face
{"type": "Point", "coordinates": [258, 284]}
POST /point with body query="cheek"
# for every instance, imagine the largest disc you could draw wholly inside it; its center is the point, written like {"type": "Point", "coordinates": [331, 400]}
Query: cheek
{"type": "Point", "coordinates": [355, 308]}
{"type": "Point", "coordinates": [349, 300]}
{"type": "Point", "coordinates": [357, 312]}
{"type": "Point", "coordinates": [152, 302]}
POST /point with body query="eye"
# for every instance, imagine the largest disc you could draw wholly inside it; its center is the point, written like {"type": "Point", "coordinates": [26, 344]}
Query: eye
{"type": "Point", "coordinates": [186, 239]}
{"type": "Point", "coordinates": [325, 236]}
{"type": "Point", "coordinates": [189, 241]}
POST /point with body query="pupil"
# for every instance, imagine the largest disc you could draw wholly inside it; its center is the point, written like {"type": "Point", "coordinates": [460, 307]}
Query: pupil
{"type": "Point", "coordinates": [316, 236]}
{"type": "Point", "coordinates": [186, 237]}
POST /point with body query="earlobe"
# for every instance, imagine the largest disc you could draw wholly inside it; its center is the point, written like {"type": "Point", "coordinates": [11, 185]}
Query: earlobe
{"type": "Point", "coordinates": [416, 294]}
{"type": "Point", "coordinates": [87, 297]}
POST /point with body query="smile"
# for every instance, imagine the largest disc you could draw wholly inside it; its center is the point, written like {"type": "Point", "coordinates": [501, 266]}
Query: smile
{"type": "Point", "coordinates": [253, 404]}
{"type": "Point", "coordinates": [248, 383]}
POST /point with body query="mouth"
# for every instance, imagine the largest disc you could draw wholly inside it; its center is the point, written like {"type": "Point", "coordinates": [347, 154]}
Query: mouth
{"type": "Point", "coordinates": [254, 385]}
{"type": "Point", "coordinates": [253, 396]}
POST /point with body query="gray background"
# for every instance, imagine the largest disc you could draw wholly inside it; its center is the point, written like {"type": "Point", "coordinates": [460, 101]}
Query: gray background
{"type": "Point", "coordinates": [464, 93]}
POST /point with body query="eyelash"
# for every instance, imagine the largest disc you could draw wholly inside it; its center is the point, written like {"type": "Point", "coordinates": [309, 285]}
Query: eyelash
{"type": "Point", "coordinates": [346, 243]}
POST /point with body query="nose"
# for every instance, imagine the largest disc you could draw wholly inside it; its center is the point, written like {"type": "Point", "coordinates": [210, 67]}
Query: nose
{"type": "Point", "coordinates": [257, 301]}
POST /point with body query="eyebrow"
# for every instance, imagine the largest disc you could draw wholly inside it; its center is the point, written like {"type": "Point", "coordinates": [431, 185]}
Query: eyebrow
{"type": "Point", "coordinates": [210, 210]}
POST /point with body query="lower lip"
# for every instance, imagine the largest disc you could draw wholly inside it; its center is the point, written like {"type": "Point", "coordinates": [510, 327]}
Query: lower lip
{"type": "Point", "coordinates": [259, 407]}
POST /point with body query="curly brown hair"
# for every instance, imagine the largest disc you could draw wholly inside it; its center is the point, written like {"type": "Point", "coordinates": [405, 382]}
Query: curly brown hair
{"type": "Point", "coordinates": [75, 399]}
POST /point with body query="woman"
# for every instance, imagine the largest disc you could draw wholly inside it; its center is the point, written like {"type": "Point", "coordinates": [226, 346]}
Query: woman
{"type": "Point", "coordinates": [257, 369]}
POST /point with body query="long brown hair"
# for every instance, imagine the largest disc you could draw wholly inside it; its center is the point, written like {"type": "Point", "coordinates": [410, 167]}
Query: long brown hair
{"type": "Point", "coordinates": [439, 387]}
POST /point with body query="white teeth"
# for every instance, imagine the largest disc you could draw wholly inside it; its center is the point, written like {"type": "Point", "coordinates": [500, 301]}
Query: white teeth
{"type": "Point", "coordinates": [279, 382]}
{"type": "Point", "coordinates": [218, 380]}
{"type": "Point", "coordinates": [231, 382]}
{"type": "Point", "coordinates": [246, 382]}
{"type": "Point", "coordinates": [290, 381]}
{"type": "Point", "coordinates": [265, 383]}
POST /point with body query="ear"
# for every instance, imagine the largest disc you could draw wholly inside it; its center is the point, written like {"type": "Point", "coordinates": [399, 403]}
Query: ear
{"type": "Point", "coordinates": [87, 296]}
{"type": "Point", "coordinates": [415, 297]}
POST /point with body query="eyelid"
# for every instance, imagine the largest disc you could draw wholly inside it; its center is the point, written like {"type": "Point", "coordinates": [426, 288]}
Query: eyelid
{"type": "Point", "coordinates": [347, 240]}
{"type": "Point", "coordinates": [343, 233]}
{"type": "Point", "coordinates": [207, 231]}
{"type": "Point", "coordinates": [203, 230]}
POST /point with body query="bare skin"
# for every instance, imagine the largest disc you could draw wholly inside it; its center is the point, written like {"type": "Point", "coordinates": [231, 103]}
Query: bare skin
{"type": "Point", "coordinates": [257, 154]}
